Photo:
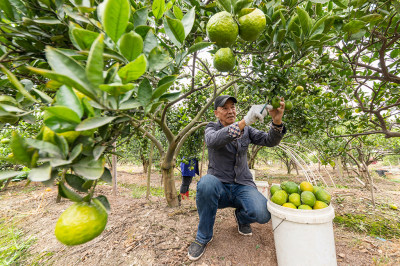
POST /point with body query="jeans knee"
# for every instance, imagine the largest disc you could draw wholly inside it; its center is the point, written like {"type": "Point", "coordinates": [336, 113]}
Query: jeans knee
{"type": "Point", "coordinates": [207, 186]}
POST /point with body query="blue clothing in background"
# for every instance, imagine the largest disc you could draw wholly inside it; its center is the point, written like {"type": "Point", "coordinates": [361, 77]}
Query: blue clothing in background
{"type": "Point", "coordinates": [185, 168]}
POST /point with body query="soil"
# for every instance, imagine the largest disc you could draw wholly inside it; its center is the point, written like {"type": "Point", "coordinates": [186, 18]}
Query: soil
{"type": "Point", "coordinates": [148, 232]}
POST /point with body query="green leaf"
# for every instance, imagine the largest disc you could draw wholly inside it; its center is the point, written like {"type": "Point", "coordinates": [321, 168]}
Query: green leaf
{"type": "Point", "coordinates": [14, 81]}
{"type": "Point", "coordinates": [45, 146]}
{"type": "Point", "coordinates": [145, 92]}
{"type": "Point", "coordinates": [59, 125]}
{"type": "Point", "coordinates": [320, 1]}
{"type": "Point", "coordinates": [65, 79]}
{"type": "Point", "coordinates": [66, 97]}
{"type": "Point", "coordinates": [140, 17]}
{"type": "Point", "coordinates": [158, 59]}
{"type": "Point", "coordinates": [226, 4]}
{"type": "Point", "coordinates": [64, 113]}
{"type": "Point", "coordinates": [198, 46]}
{"type": "Point", "coordinates": [116, 89]}
{"type": "Point", "coordinates": [95, 64]}
{"type": "Point", "coordinates": [116, 18]}
{"type": "Point", "coordinates": [8, 174]}
{"type": "Point", "coordinates": [305, 20]}
{"type": "Point", "coordinates": [7, 9]}
{"type": "Point", "coordinates": [133, 70]}
{"type": "Point", "coordinates": [65, 65]}
{"type": "Point", "coordinates": [169, 97]}
{"type": "Point", "coordinates": [178, 12]}
{"type": "Point", "coordinates": [41, 173]}
{"type": "Point", "coordinates": [371, 18]}
{"type": "Point", "coordinates": [94, 122]}
{"type": "Point", "coordinates": [341, 4]}
{"type": "Point", "coordinates": [130, 104]}
{"type": "Point", "coordinates": [319, 24]}
{"type": "Point", "coordinates": [20, 149]}
{"type": "Point", "coordinates": [163, 86]}
{"type": "Point", "coordinates": [107, 177]}
{"type": "Point", "coordinates": [353, 26]}
{"type": "Point", "coordinates": [43, 95]}
{"type": "Point", "coordinates": [81, 38]}
{"type": "Point", "coordinates": [103, 200]}
{"type": "Point", "coordinates": [174, 30]}
{"type": "Point", "coordinates": [75, 182]}
{"type": "Point", "coordinates": [90, 168]}
{"type": "Point", "coordinates": [131, 45]}
{"type": "Point", "coordinates": [98, 151]}
{"type": "Point", "coordinates": [188, 21]}
{"type": "Point", "coordinates": [158, 8]}
{"type": "Point", "coordinates": [76, 151]}
{"type": "Point", "coordinates": [239, 4]}
{"type": "Point", "coordinates": [62, 144]}
{"type": "Point", "coordinates": [67, 193]}
{"type": "Point", "coordinates": [150, 42]}
{"type": "Point", "coordinates": [88, 184]}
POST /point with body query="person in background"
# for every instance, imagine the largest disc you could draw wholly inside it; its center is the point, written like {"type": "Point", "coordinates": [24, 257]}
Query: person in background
{"type": "Point", "coordinates": [189, 169]}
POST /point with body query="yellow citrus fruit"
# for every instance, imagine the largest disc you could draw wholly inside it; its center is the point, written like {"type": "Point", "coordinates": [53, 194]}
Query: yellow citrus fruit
{"type": "Point", "coordinates": [280, 197]}
{"type": "Point", "coordinates": [251, 24]}
{"type": "Point", "coordinates": [81, 222]}
{"type": "Point", "coordinates": [320, 205]}
{"type": "Point", "coordinates": [294, 198]}
{"type": "Point", "coordinates": [304, 207]}
{"type": "Point", "coordinates": [306, 186]}
{"type": "Point", "coordinates": [70, 136]}
{"type": "Point", "coordinates": [224, 60]}
{"type": "Point", "coordinates": [222, 29]}
{"type": "Point", "coordinates": [289, 205]}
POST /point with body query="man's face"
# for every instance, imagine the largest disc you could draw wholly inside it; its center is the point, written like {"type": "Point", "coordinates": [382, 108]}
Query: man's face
{"type": "Point", "coordinates": [227, 113]}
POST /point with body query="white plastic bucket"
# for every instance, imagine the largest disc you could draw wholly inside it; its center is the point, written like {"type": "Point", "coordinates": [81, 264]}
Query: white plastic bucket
{"type": "Point", "coordinates": [263, 187]}
{"type": "Point", "coordinates": [303, 237]}
{"type": "Point", "coordinates": [253, 173]}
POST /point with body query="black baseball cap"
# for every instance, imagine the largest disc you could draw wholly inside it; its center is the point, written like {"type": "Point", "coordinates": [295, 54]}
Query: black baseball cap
{"type": "Point", "coordinates": [221, 100]}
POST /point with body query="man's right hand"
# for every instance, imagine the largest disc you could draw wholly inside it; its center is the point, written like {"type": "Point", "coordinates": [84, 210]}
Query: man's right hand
{"type": "Point", "coordinates": [255, 114]}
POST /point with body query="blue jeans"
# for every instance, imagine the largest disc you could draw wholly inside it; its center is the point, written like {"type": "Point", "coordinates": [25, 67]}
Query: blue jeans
{"type": "Point", "coordinates": [212, 194]}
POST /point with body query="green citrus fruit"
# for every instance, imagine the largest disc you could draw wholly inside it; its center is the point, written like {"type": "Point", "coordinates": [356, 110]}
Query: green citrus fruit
{"type": "Point", "coordinates": [81, 222]}
{"type": "Point", "coordinates": [295, 199]}
{"type": "Point", "coordinates": [306, 186]}
{"type": "Point", "coordinates": [276, 102]}
{"type": "Point", "coordinates": [289, 205]}
{"type": "Point", "coordinates": [48, 134]}
{"type": "Point", "coordinates": [299, 89]}
{"type": "Point", "coordinates": [307, 62]}
{"type": "Point", "coordinates": [222, 29]}
{"type": "Point", "coordinates": [251, 24]}
{"type": "Point", "coordinates": [307, 106]}
{"type": "Point", "coordinates": [290, 187]}
{"type": "Point", "coordinates": [320, 205]}
{"type": "Point", "coordinates": [288, 105]}
{"type": "Point", "coordinates": [5, 141]}
{"type": "Point", "coordinates": [280, 197]}
{"type": "Point", "coordinates": [323, 195]}
{"type": "Point", "coordinates": [316, 188]}
{"type": "Point", "coordinates": [308, 198]}
{"type": "Point", "coordinates": [304, 207]}
{"type": "Point", "coordinates": [224, 60]}
{"type": "Point", "coordinates": [274, 189]}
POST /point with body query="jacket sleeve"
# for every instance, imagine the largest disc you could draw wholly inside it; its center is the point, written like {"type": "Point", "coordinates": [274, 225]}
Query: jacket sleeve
{"type": "Point", "coordinates": [217, 138]}
{"type": "Point", "coordinates": [270, 139]}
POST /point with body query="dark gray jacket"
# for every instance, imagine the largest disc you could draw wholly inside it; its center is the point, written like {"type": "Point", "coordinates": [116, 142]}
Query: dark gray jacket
{"type": "Point", "coordinates": [228, 156]}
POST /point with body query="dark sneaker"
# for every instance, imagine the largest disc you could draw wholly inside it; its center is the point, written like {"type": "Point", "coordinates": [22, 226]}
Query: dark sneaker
{"type": "Point", "coordinates": [243, 229]}
{"type": "Point", "coordinates": [196, 250]}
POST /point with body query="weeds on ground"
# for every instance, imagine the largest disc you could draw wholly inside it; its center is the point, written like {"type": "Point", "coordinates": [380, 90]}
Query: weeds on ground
{"type": "Point", "coordinates": [140, 191]}
{"type": "Point", "coordinates": [13, 245]}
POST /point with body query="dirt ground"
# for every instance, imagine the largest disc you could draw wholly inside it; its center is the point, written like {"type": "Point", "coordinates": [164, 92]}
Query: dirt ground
{"type": "Point", "coordinates": [147, 232]}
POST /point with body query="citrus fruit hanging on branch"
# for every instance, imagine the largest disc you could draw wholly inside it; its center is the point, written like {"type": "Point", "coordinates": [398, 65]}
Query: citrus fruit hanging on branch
{"type": "Point", "coordinates": [224, 60]}
{"type": "Point", "coordinates": [81, 222]}
{"type": "Point", "coordinates": [251, 23]}
{"type": "Point", "coordinates": [222, 29]}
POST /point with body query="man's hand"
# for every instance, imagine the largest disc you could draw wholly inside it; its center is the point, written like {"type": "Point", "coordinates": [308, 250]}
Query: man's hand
{"type": "Point", "coordinates": [255, 114]}
{"type": "Point", "coordinates": [276, 114]}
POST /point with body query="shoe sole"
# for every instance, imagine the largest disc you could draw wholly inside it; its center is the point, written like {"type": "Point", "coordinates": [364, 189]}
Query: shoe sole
{"type": "Point", "coordinates": [197, 258]}
{"type": "Point", "coordinates": [237, 223]}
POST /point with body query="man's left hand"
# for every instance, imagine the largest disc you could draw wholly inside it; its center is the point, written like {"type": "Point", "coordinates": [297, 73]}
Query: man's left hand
{"type": "Point", "coordinates": [277, 114]}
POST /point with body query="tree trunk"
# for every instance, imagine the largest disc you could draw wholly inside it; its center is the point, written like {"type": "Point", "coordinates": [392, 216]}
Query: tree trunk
{"type": "Point", "coordinates": [169, 186]}
{"type": "Point", "coordinates": [339, 168]}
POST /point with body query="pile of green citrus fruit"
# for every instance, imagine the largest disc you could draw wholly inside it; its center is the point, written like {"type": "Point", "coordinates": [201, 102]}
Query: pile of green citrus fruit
{"type": "Point", "coordinates": [304, 196]}
{"type": "Point", "coordinates": [223, 30]}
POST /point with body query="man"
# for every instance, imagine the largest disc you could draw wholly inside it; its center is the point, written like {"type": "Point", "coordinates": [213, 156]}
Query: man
{"type": "Point", "coordinates": [228, 182]}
